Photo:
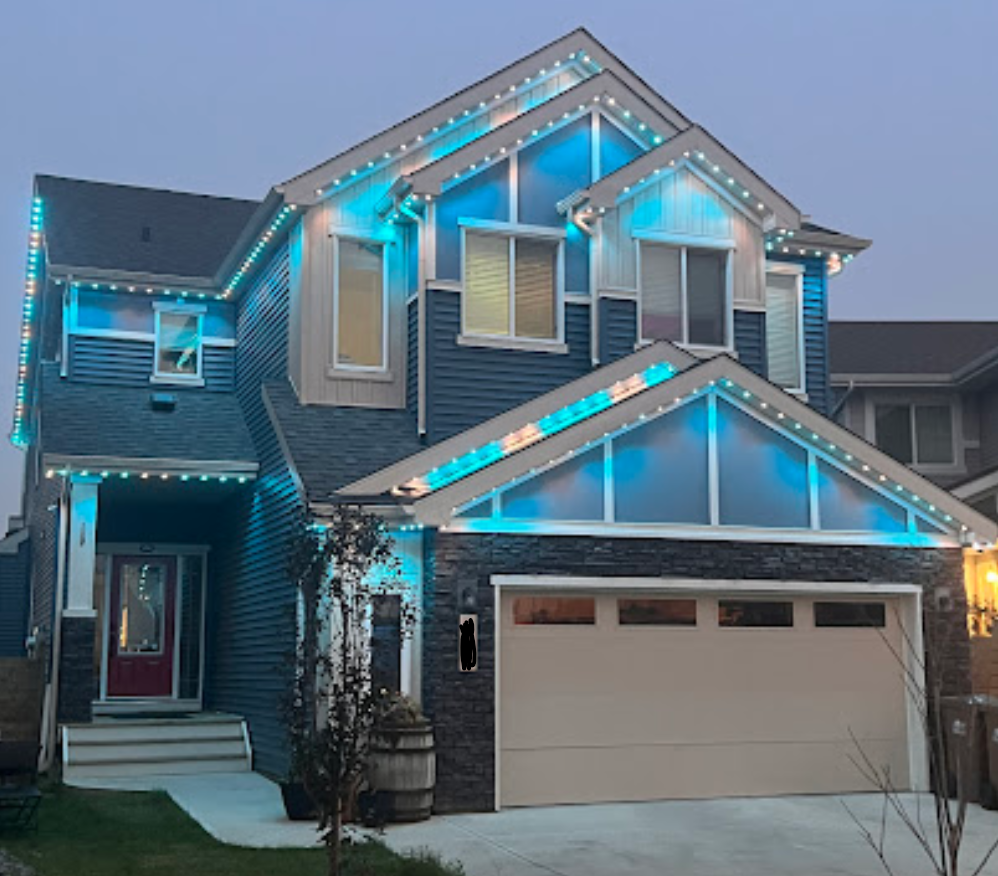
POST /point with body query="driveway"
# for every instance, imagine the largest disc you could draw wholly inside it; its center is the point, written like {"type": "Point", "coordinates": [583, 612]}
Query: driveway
{"type": "Point", "coordinates": [783, 836]}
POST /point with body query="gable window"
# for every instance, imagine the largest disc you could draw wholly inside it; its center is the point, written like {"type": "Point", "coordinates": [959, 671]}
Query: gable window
{"type": "Point", "coordinates": [178, 343]}
{"type": "Point", "coordinates": [784, 347]}
{"type": "Point", "coordinates": [512, 285]}
{"type": "Point", "coordinates": [919, 434]}
{"type": "Point", "coordinates": [685, 294]}
{"type": "Point", "coordinates": [361, 322]}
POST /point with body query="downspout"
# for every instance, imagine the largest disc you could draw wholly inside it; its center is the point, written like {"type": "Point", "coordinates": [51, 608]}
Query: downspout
{"type": "Point", "coordinates": [50, 709]}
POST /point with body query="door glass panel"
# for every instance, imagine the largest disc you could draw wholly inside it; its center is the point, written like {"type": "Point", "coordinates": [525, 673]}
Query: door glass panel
{"type": "Point", "coordinates": [141, 610]}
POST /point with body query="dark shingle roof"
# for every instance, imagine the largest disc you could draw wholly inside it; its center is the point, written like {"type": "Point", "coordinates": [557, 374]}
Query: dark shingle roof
{"type": "Point", "coordinates": [100, 225]}
{"type": "Point", "coordinates": [332, 447]}
{"type": "Point", "coordinates": [89, 419]}
{"type": "Point", "coordinates": [908, 347]}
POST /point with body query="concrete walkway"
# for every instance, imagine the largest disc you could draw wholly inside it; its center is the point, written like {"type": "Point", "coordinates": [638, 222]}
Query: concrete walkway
{"type": "Point", "coordinates": [779, 836]}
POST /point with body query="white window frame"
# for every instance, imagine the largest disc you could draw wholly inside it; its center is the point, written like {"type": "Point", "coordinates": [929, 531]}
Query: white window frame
{"type": "Point", "coordinates": [788, 268]}
{"type": "Point", "coordinates": [161, 307]}
{"type": "Point", "coordinates": [958, 463]}
{"type": "Point", "coordinates": [513, 231]}
{"type": "Point", "coordinates": [336, 365]}
{"type": "Point", "coordinates": [684, 243]}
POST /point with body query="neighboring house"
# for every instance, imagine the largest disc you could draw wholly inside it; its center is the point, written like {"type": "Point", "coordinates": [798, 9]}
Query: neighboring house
{"type": "Point", "coordinates": [575, 352]}
{"type": "Point", "coordinates": [14, 591]}
{"type": "Point", "coordinates": [927, 394]}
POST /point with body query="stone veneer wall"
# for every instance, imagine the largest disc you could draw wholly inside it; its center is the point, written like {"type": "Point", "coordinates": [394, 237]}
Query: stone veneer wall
{"type": "Point", "coordinates": [462, 705]}
{"type": "Point", "coordinates": [77, 680]}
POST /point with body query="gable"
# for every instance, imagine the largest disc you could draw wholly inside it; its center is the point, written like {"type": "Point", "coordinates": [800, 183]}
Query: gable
{"type": "Point", "coordinates": [707, 464]}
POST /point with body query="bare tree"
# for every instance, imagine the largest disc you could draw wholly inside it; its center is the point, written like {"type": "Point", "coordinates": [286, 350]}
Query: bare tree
{"type": "Point", "coordinates": [339, 568]}
{"type": "Point", "coordinates": [951, 724]}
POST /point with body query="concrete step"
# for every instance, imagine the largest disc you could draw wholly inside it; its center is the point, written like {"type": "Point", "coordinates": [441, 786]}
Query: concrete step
{"type": "Point", "coordinates": [123, 747]}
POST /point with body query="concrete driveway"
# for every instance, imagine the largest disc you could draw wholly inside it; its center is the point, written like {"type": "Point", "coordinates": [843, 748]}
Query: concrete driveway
{"type": "Point", "coordinates": [784, 836]}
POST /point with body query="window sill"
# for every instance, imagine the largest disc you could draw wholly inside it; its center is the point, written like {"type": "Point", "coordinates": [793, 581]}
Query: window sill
{"type": "Point", "coordinates": [531, 345]}
{"type": "Point", "coordinates": [374, 375]}
{"type": "Point", "coordinates": [176, 380]}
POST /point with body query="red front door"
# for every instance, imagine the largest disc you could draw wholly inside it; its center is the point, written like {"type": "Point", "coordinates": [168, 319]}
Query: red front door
{"type": "Point", "coordinates": [141, 627]}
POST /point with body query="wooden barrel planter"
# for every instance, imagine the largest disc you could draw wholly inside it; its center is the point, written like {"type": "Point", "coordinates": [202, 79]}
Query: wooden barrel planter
{"type": "Point", "coordinates": [402, 770]}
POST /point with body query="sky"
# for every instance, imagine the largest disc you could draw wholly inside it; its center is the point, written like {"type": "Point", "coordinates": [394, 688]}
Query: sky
{"type": "Point", "coordinates": [875, 117]}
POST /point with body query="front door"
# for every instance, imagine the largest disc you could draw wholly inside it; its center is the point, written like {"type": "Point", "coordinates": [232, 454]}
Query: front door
{"type": "Point", "coordinates": [141, 629]}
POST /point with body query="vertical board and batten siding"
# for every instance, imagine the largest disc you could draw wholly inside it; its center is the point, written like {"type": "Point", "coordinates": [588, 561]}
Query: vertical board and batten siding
{"type": "Point", "coordinates": [750, 340]}
{"type": "Point", "coordinates": [682, 204]}
{"type": "Point", "coordinates": [251, 601]}
{"type": "Point", "coordinates": [412, 358]}
{"type": "Point", "coordinates": [121, 362]}
{"type": "Point", "coordinates": [467, 385]}
{"type": "Point", "coordinates": [618, 322]}
{"type": "Point", "coordinates": [815, 305]}
{"type": "Point", "coordinates": [14, 600]}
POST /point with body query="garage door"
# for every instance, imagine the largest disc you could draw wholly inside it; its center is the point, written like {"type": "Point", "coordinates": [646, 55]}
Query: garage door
{"type": "Point", "coordinates": [640, 697]}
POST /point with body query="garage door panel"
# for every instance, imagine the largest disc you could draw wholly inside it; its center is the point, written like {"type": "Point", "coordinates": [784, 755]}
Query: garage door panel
{"type": "Point", "coordinates": [667, 712]}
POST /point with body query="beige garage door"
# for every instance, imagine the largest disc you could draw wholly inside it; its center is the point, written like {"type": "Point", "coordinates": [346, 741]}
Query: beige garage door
{"type": "Point", "coordinates": [648, 696]}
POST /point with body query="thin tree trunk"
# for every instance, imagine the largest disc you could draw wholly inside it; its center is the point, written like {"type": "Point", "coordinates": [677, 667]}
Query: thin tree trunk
{"type": "Point", "coordinates": [333, 842]}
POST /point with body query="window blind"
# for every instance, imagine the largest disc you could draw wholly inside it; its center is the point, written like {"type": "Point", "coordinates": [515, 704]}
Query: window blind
{"type": "Point", "coordinates": [360, 312]}
{"type": "Point", "coordinates": [661, 293]}
{"type": "Point", "coordinates": [486, 293]}
{"type": "Point", "coordinates": [534, 286]}
{"type": "Point", "coordinates": [782, 331]}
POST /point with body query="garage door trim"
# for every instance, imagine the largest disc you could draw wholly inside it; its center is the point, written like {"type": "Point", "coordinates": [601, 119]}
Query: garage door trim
{"type": "Point", "coordinates": [909, 596]}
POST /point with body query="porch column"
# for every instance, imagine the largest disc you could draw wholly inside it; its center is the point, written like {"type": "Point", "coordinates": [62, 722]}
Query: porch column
{"type": "Point", "coordinates": [78, 683]}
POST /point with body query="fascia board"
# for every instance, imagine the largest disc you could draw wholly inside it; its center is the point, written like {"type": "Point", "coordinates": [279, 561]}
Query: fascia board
{"type": "Point", "coordinates": [152, 465]}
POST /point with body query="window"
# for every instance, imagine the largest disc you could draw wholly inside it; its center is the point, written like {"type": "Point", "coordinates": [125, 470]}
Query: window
{"type": "Point", "coordinates": [657, 612]}
{"type": "Point", "coordinates": [754, 613]}
{"type": "Point", "coordinates": [178, 343]}
{"type": "Point", "coordinates": [519, 301]}
{"type": "Point", "coordinates": [784, 365]}
{"type": "Point", "coordinates": [684, 294]}
{"type": "Point", "coordinates": [361, 323]}
{"type": "Point", "coordinates": [850, 614]}
{"type": "Point", "coordinates": [564, 610]}
{"type": "Point", "coordinates": [920, 434]}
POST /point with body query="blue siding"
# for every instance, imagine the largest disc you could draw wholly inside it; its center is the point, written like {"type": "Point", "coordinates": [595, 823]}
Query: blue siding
{"type": "Point", "coordinates": [130, 363]}
{"type": "Point", "coordinates": [484, 196]}
{"type": "Point", "coordinates": [467, 385]}
{"type": "Point", "coordinates": [750, 340]}
{"type": "Point", "coordinates": [616, 148]}
{"type": "Point", "coordinates": [815, 329]}
{"type": "Point", "coordinates": [251, 600]}
{"type": "Point", "coordinates": [14, 601]}
{"type": "Point", "coordinates": [618, 326]}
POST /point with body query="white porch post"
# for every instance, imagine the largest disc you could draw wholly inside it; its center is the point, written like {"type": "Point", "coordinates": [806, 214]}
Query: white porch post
{"type": "Point", "coordinates": [81, 550]}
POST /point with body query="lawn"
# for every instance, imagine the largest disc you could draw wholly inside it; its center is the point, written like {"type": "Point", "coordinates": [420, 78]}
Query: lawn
{"type": "Point", "coordinates": [104, 833]}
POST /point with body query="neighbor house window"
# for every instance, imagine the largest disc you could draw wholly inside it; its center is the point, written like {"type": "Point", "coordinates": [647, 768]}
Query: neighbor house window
{"type": "Point", "coordinates": [755, 613]}
{"type": "Point", "coordinates": [920, 434]}
{"type": "Point", "coordinates": [552, 610]}
{"type": "Point", "coordinates": [178, 343]}
{"type": "Point", "coordinates": [684, 294]}
{"type": "Point", "coordinates": [784, 358]}
{"type": "Point", "coordinates": [361, 314]}
{"type": "Point", "coordinates": [511, 285]}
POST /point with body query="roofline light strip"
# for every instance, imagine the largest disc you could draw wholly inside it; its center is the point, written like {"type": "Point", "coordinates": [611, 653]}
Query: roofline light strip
{"type": "Point", "coordinates": [551, 424]}
{"type": "Point", "coordinates": [108, 474]}
{"type": "Point", "coordinates": [844, 459]}
{"type": "Point", "coordinates": [254, 254]}
{"type": "Point", "coordinates": [18, 434]}
{"type": "Point", "coordinates": [140, 288]}
{"type": "Point", "coordinates": [582, 58]}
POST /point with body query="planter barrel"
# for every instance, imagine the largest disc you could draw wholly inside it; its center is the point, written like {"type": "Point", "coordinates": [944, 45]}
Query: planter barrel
{"type": "Point", "coordinates": [403, 767]}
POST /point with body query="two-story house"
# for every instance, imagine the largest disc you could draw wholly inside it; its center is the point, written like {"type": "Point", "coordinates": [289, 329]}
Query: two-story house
{"type": "Point", "coordinates": [574, 350]}
{"type": "Point", "coordinates": [927, 394]}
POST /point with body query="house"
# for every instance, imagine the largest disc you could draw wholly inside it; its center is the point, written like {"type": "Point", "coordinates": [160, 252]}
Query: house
{"type": "Point", "coordinates": [927, 394]}
{"type": "Point", "coordinates": [574, 350]}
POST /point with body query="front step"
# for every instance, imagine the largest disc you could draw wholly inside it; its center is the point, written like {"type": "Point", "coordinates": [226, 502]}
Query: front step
{"type": "Point", "coordinates": [119, 748]}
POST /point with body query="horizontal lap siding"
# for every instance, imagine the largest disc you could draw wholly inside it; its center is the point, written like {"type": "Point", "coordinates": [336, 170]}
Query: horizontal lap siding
{"type": "Point", "coordinates": [252, 601]}
{"type": "Point", "coordinates": [130, 363]}
{"type": "Point", "coordinates": [750, 340]}
{"type": "Point", "coordinates": [467, 385]}
{"type": "Point", "coordinates": [618, 320]}
{"type": "Point", "coordinates": [14, 601]}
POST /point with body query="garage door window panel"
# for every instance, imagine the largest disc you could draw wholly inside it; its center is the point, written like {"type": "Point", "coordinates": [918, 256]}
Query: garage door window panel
{"type": "Point", "coordinates": [868, 615]}
{"type": "Point", "coordinates": [554, 611]}
{"type": "Point", "coordinates": [657, 612]}
{"type": "Point", "coordinates": [754, 613]}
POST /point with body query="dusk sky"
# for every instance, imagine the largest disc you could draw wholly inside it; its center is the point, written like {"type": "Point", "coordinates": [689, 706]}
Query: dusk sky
{"type": "Point", "coordinates": [876, 117]}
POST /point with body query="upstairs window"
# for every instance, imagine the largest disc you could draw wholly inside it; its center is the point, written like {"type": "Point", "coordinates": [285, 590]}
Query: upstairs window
{"type": "Point", "coordinates": [360, 333]}
{"type": "Point", "coordinates": [685, 294]}
{"type": "Point", "coordinates": [784, 349]}
{"type": "Point", "coordinates": [178, 343]}
{"type": "Point", "coordinates": [512, 285]}
{"type": "Point", "coordinates": [916, 434]}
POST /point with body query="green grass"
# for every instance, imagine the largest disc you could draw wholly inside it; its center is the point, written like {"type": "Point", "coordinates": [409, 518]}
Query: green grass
{"type": "Point", "coordinates": [111, 833]}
